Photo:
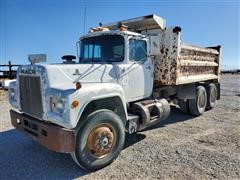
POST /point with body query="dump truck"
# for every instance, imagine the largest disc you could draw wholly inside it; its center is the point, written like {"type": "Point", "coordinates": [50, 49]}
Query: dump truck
{"type": "Point", "coordinates": [123, 80]}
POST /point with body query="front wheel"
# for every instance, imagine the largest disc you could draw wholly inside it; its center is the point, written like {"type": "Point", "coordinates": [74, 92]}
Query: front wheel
{"type": "Point", "coordinates": [99, 140]}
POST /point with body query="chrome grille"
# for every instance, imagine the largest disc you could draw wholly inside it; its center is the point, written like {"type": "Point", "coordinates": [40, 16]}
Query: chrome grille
{"type": "Point", "coordinates": [30, 95]}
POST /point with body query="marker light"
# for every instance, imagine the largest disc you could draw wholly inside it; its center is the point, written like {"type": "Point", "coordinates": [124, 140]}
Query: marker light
{"type": "Point", "coordinates": [75, 104]}
{"type": "Point", "coordinates": [78, 85]}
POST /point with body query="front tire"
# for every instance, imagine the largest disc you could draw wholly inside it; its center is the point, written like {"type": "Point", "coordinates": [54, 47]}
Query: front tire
{"type": "Point", "coordinates": [99, 140]}
{"type": "Point", "coordinates": [197, 106]}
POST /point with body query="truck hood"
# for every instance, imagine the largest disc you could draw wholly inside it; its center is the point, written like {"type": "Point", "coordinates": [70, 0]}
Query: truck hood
{"type": "Point", "coordinates": [60, 74]}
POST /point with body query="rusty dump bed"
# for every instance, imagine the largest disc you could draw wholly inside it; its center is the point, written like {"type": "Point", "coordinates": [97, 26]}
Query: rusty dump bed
{"type": "Point", "coordinates": [197, 64]}
{"type": "Point", "coordinates": [179, 63]}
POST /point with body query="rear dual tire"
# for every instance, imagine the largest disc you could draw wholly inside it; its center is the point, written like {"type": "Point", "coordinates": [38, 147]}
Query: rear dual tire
{"type": "Point", "coordinates": [183, 104]}
{"type": "Point", "coordinates": [205, 99]}
{"type": "Point", "coordinates": [212, 96]}
{"type": "Point", "coordinates": [198, 105]}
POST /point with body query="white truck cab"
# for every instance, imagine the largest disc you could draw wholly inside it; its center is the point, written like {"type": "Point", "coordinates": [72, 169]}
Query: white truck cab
{"type": "Point", "coordinates": [124, 77]}
{"type": "Point", "coordinates": [123, 58]}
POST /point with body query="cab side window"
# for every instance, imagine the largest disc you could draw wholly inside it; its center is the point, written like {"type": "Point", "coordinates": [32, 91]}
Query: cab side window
{"type": "Point", "coordinates": [137, 50]}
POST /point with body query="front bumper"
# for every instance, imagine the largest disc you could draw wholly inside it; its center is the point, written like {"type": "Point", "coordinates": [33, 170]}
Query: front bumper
{"type": "Point", "coordinates": [51, 136]}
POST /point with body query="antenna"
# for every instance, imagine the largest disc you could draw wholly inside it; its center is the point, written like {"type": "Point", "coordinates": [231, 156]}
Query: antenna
{"type": "Point", "coordinates": [84, 20]}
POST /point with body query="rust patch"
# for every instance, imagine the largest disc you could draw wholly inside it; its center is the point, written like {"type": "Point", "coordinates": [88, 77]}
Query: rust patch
{"type": "Point", "coordinates": [101, 140]}
{"type": "Point", "coordinates": [51, 136]}
{"type": "Point", "coordinates": [196, 70]}
{"type": "Point", "coordinates": [165, 63]}
{"type": "Point", "coordinates": [169, 64]}
{"type": "Point", "coordinates": [162, 50]}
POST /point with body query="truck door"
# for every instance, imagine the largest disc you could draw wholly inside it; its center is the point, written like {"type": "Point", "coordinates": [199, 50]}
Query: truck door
{"type": "Point", "coordinates": [140, 70]}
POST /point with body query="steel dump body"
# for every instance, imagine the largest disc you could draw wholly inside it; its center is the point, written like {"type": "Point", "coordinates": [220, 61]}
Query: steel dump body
{"type": "Point", "coordinates": [175, 62]}
{"type": "Point", "coordinates": [179, 63]}
{"type": "Point", "coordinates": [197, 64]}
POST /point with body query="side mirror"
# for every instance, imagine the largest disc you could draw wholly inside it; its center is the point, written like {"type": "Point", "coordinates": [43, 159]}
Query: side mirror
{"type": "Point", "coordinates": [78, 45]}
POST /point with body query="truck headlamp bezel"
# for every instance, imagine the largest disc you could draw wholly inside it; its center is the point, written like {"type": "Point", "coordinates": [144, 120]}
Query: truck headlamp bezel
{"type": "Point", "coordinates": [57, 105]}
{"type": "Point", "coordinates": [12, 93]}
{"type": "Point", "coordinates": [60, 105]}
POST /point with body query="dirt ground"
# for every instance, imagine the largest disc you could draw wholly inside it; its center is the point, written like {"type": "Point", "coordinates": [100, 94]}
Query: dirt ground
{"type": "Point", "coordinates": [181, 147]}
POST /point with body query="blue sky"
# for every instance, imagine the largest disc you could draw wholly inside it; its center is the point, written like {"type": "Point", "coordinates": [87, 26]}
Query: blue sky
{"type": "Point", "coordinates": [53, 27]}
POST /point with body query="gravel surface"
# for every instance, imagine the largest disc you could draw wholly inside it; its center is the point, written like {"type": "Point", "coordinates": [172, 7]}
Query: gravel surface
{"type": "Point", "coordinates": [181, 147]}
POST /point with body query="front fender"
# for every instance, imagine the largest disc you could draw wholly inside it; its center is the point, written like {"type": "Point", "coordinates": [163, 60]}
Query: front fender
{"type": "Point", "coordinates": [91, 92]}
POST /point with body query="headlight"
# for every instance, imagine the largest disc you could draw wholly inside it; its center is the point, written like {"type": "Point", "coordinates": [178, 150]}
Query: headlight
{"type": "Point", "coordinates": [11, 93]}
{"type": "Point", "coordinates": [60, 105]}
{"type": "Point", "coordinates": [57, 105]}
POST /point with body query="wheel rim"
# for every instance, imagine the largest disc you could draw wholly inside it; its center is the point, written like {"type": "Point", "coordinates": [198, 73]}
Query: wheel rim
{"type": "Point", "coordinates": [201, 100]}
{"type": "Point", "coordinates": [101, 140]}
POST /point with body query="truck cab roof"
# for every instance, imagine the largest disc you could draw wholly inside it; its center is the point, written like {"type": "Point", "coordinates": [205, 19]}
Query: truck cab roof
{"type": "Point", "coordinates": [111, 32]}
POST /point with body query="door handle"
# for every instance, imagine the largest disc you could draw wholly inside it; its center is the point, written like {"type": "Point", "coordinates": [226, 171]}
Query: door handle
{"type": "Point", "coordinates": [148, 67]}
{"type": "Point", "coordinates": [123, 70]}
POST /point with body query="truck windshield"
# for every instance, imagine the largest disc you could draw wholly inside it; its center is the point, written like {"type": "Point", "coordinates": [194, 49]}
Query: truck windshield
{"type": "Point", "coordinates": [105, 48]}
